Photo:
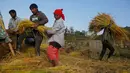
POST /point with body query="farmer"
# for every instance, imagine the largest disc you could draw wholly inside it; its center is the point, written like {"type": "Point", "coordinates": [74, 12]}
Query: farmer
{"type": "Point", "coordinates": [107, 42]}
{"type": "Point", "coordinates": [39, 18]}
{"type": "Point", "coordinates": [13, 21]}
{"type": "Point", "coordinates": [56, 41]}
{"type": "Point", "coordinates": [12, 26]}
{"type": "Point", "coordinates": [4, 38]}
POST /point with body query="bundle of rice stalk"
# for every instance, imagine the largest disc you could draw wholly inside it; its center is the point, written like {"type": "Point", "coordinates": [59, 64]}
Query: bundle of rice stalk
{"type": "Point", "coordinates": [24, 24]}
{"type": "Point", "coordinates": [75, 54]}
{"type": "Point", "coordinates": [27, 24]}
{"type": "Point", "coordinates": [103, 20]}
{"type": "Point", "coordinates": [42, 30]}
{"type": "Point", "coordinates": [44, 46]}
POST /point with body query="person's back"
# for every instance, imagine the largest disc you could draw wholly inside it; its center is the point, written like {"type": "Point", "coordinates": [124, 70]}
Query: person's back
{"type": "Point", "coordinates": [4, 38]}
{"type": "Point", "coordinates": [107, 42]}
{"type": "Point", "coordinates": [107, 36]}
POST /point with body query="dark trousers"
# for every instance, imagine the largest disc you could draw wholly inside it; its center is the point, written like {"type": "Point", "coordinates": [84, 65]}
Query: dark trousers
{"type": "Point", "coordinates": [55, 44]}
{"type": "Point", "coordinates": [37, 37]}
{"type": "Point", "coordinates": [105, 46]}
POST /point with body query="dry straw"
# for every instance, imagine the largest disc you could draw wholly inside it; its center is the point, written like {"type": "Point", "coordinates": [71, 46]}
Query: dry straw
{"type": "Point", "coordinates": [103, 20]}
{"type": "Point", "coordinates": [24, 24]}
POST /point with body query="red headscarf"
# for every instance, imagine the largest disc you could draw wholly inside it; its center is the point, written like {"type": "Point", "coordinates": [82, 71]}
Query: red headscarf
{"type": "Point", "coordinates": [59, 12]}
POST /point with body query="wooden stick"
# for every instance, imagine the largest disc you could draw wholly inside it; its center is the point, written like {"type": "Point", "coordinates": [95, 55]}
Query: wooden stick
{"type": "Point", "coordinates": [11, 49]}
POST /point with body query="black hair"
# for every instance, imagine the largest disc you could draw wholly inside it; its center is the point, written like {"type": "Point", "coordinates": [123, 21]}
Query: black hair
{"type": "Point", "coordinates": [12, 11]}
{"type": "Point", "coordinates": [33, 6]}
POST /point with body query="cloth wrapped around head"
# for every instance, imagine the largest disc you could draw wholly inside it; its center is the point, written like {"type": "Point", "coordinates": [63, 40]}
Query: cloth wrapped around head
{"type": "Point", "coordinates": [60, 13]}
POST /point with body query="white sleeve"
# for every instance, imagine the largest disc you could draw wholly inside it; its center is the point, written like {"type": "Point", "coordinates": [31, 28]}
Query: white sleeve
{"type": "Point", "coordinates": [101, 32]}
{"type": "Point", "coordinates": [18, 20]}
{"type": "Point", "coordinates": [55, 28]}
{"type": "Point", "coordinates": [10, 24]}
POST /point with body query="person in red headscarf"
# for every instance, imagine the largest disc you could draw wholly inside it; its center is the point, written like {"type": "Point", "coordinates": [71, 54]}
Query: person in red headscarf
{"type": "Point", "coordinates": [58, 14]}
{"type": "Point", "coordinates": [56, 41]}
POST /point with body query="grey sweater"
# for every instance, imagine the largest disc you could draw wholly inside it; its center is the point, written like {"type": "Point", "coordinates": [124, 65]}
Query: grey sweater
{"type": "Point", "coordinates": [40, 18]}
